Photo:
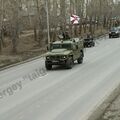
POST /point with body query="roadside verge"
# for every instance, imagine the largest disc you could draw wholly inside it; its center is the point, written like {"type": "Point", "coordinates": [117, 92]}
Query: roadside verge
{"type": "Point", "coordinates": [99, 111]}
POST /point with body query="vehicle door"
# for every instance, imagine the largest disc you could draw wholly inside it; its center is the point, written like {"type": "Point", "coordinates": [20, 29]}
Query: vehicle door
{"type": "Point", "coordinates": [76, 52]}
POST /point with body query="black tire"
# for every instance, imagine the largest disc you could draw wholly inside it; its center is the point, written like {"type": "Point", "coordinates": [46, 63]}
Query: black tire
{"type": "Point", "coordinates": [84, 45]}
{"type": "Point", "coordinates": [93, 44]}
{"type": "Point", "coordinates": [69, 63]}
{"type": "Point", "coordinates": [110, 36]}
{"type": "Point", "coordinates": [80, 59]}
{"type": "Point", "coordinates": [48, 66]}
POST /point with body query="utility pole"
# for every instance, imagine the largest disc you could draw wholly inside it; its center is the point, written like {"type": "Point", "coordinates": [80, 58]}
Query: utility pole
{"type": "Point", "coordinates": [101, 15]}
{"type": "Point", "coordinates": [48, 24]}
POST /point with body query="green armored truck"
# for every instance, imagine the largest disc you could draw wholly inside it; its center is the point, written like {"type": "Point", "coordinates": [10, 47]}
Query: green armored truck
{"type": "Point", "coordinates": [64, 52]}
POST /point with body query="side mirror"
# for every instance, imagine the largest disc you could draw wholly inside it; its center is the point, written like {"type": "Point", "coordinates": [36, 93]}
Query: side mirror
{"type": "Point", "coordinates": [48, 48]}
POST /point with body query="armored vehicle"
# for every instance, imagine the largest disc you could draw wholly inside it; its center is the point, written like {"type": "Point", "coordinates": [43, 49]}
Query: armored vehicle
{"type": "Point", "coordinates": [64, 52]}
{"type": "Point", "coordinates": [89, 41]}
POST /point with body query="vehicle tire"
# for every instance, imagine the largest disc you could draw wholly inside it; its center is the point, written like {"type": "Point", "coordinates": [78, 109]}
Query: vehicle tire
{"type": "Point", "coordinates": [84, 45]}
{"type": "Point", "coordinates": [93, 44]}
{"type": "Point", "coordinates": [110, 36]}
{"type": "Point", "coordinates": [48, 66]}
{"type": "Point", "coordinates": [69, 63]}
{"type": "Point", "coordinates": [80, 59]}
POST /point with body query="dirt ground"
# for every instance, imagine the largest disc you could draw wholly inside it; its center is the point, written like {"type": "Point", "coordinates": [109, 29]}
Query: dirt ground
{"type": "Point", "coordinates": [113, 111]}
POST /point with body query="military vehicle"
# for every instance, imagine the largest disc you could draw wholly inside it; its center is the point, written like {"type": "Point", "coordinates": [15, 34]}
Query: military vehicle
{"type": "Point", "coordinates": [64, 52]}
{"type": "Point", "coordinates": [89, 41]}
{"type": "Point", "coordinates": [114, 32]}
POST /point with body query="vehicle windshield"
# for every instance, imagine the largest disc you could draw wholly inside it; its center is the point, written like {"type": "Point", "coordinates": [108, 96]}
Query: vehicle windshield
{"type": "Point", "coordinates": [114, 29]}
{"type": "Point", "coordinates": [59, 46]}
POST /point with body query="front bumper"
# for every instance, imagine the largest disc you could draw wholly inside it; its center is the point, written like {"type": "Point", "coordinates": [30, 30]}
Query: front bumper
{"type": "Point", "coordinates": [56, 62]}
{"type": "Point", "coordinates": [114, 34]}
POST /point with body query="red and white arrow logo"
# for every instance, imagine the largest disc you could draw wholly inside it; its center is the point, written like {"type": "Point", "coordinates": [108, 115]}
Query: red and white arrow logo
{"type": "Point", "coordinates": [74, 19]}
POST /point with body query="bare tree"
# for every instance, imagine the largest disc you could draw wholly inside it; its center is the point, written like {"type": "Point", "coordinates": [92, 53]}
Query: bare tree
{"type": "Point", "coordinates": [1, 25]}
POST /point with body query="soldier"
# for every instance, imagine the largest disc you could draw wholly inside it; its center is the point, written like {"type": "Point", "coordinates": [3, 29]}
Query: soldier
{"type": "Point", "coordinates": [66, 35]}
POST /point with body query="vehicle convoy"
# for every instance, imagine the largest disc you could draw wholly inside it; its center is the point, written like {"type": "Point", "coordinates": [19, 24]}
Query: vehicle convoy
{"type": "Point", "coordinates": [89, 41]}
{"type": "Point", "coordinates": [64, 52]}
{"type": "Point", "coordinates": [114, 32]}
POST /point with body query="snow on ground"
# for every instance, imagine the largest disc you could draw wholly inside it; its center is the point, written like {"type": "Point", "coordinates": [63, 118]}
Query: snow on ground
{"type": "Point", "coordinates": [28, 92]}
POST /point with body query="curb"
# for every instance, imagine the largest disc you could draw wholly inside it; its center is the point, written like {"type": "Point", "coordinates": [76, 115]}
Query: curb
{"type": "Point", "coordinates": [31, 59]}
{"type": "Point", "coordinates": [102, 36]}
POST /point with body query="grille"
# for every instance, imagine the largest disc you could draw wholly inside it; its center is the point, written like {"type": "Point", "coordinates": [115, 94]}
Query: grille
{"type": "Point", "coordinates": [113, 33]}
{"type": "Point", "coordinates": [55, 57]}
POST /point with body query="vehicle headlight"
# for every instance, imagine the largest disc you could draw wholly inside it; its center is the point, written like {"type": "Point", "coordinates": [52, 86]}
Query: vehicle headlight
{"type": "Point", "coordinates": [64, 57]}
{"type": "Point", "coordinates": [48, 57]}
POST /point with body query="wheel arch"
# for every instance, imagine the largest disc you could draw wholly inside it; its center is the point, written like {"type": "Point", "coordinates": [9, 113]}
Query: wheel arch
{"type": "Point", "coordinates": [82, 52]}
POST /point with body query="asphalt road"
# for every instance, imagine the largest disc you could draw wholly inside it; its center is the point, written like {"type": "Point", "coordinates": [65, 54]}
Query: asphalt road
{"type": "Point", "coordinates": [28, 92]}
